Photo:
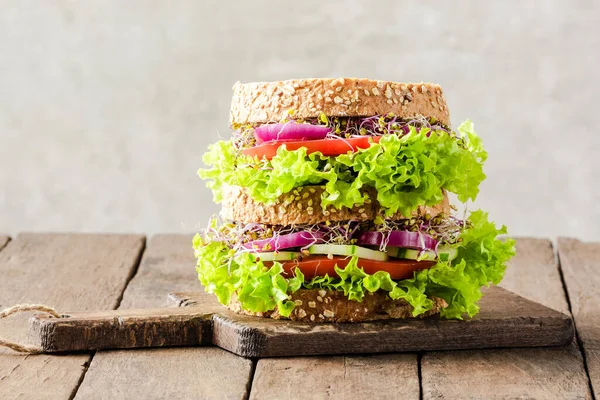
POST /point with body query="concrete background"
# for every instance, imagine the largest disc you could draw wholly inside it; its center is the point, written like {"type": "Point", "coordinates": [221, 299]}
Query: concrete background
{"type": "Point", "coordinates": [107, 106]}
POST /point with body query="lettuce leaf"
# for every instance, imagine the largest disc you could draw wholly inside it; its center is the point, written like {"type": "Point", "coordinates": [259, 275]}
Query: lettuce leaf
{"type": "Point", "coordinates": [481, 260]}
{"type": "Point", "coordinates": [407, 171]}
{"type": "Point", "coordinates": [257, 287]}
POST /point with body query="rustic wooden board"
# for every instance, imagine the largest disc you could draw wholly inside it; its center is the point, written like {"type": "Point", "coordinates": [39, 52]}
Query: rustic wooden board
{"type": "Point", "coordinates": [123, 329]}
{"type": "Point", "coordinates": [193, 372]}
{"type": "Point", "coordinates": [110, 373]}
{"type": "Point", "coordinates": [381, 376]}
{"type": "Point", "coordinates": [580, 263]}
{"type": "Point", "coordinates": [75, 272]}
{"type": "Point", "coordinates": [541, 373]}
{"type": "Point", "coordinates": [505, 320]}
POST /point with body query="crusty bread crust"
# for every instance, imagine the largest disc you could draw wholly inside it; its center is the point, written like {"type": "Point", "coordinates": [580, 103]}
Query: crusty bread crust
{"type": "Point", "coordinates": [320, 305]}
{"type": "Point", "coordinates": [303, 206]}
{"type": "Point", "coordinates": [262, 102]}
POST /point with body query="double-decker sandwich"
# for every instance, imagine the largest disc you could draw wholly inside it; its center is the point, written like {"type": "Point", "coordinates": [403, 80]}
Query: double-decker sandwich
{"type": "Point", "coordinates": [335, 205]}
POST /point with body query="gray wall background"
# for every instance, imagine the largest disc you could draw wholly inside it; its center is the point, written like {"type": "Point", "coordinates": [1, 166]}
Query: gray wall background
{"type": "Point", "coordinates": [107, 106]}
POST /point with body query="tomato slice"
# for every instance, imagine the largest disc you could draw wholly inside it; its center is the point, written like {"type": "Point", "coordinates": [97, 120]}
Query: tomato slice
{"type": "Point", "coordinates": [398, 269]}
{"type": "Point", "coordinates": [328, 147]}
{"type": "Point", "coordinates": [315, 266]}
{"type": "Point", "coordinates": [320, 265]}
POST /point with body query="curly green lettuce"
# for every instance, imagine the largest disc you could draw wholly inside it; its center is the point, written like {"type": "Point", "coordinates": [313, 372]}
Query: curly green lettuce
{"type": "Point", "coordinates": [257, 287]}
{"type": "Point", "coordinates": [481, 260]}
{"type": "Point", "coordinates": [408, 171]}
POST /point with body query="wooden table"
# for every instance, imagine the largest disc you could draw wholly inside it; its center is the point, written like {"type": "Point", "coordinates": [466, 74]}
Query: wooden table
{"type": "Point", "coordinates": [79, 272]}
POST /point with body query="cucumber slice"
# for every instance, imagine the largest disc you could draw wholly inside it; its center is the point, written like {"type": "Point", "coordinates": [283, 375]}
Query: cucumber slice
{"type": "Point", "coordinates": [447, 253]}
{"type": "Point", "coordinates": [278, 256]}
{"type": "Point", "coordinates": [444, 253]}
{"type": "Point", "coordinates": [397, 252]}
{"type": "Point", "coordinates": [348, 250]}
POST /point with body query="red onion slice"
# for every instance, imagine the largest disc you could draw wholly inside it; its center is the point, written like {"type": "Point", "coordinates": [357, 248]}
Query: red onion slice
{"type": "Point", "coordinates": [411, 240]}
{"type": "Point", "coordinates": [290, 131]}
{"type": "Point", "coordinates": [298, 239]}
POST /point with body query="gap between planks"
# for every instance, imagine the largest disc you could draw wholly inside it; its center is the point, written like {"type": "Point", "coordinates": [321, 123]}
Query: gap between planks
{"type": "Point", "coordinates": [4, 239]}
{"type": "Point", "coordinates": [185, 372]}
{"type": "Point", "coordinates": [579, 271]}
{"type": "Point", "coordinates": [420, 373]}
{"type": "Point", "coordinates": [79, 274]}
{"type": "Point", "coordinates": [577, 335]}
{"type": "Point", "coordinates": [131, 275]}
{"type": "Point", "coordinates": [536, 260]}
{"type": "Point", "coordinates": [86, 366]}
{"type": "Point", "coordinates": [516, 373]}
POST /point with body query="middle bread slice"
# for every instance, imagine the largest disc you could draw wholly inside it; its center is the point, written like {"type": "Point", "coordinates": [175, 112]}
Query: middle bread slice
{"type": "Point", "coordinates": [303, 206]}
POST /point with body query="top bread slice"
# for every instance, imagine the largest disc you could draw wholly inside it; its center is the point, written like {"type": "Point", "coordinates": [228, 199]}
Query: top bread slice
{"type": "Point", "coordinates": [263, 102]}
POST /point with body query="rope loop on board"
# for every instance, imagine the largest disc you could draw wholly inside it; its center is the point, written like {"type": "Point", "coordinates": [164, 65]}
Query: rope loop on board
{"type": "Point", "coordinates": [21, 308]}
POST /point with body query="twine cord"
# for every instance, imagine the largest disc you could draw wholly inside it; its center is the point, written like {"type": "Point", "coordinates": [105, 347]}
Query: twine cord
{"type": "Point", "coordinates": [20, 308]}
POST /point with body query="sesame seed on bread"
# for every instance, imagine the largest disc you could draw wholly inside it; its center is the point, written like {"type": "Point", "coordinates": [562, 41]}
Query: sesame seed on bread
{"type": "Point", "coordinates": [303, 206]}
{"type": "Point", "coordinates": [320, 305]}
{"type": "Point", "coordinates": [263, 102]}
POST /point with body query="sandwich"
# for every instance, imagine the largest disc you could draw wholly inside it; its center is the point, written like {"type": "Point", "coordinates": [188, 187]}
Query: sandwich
{"type": "Point", "coordinates": [336, 205]}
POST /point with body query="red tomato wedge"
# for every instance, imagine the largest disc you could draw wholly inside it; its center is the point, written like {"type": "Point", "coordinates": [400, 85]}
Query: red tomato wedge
{"type": "Point", "coordinates": [320, 265]}
{"type": "Point", "coordinates": [328, 147]}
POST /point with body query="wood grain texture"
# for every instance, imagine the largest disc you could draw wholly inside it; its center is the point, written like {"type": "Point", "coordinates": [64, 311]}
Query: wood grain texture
{"type": "Point", "coordinates": [176, 373]}
{"type": "Point", "coordinates": [580, 264]}
{"type": "Point", "coordinates": [69, 272]}
{"type": "Point", "coordinates": [505, 320]}
{"type": "Point", "coordinates": [552, 373]}
{"type": "Point", "coordinates": [536, 262]}
{"type": "Point", "coordinates": [543, 373]}
{"type": "Point", "coordinates": [123, 329]}
{"type": "Point", "coordinates": [167, 265]}
{"type": "Point", "coordinates": [381, 376]}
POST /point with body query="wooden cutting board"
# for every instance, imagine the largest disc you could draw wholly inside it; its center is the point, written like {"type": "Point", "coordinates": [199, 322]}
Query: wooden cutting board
{"type": "Point", "coordinates": [505, 320]}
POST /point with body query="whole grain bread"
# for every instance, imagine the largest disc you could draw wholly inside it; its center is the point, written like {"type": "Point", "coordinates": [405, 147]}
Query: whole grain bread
{"type": "Point", "coordinates": [262, 102]}
{"type": "Point", "coordinates": [303, 206]}
{"type": "Point", "coordinates": [320, 305]}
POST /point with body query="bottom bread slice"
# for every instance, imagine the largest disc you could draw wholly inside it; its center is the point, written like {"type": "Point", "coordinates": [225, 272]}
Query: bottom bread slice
{"type": "Point", "coordinates": [320, 305]}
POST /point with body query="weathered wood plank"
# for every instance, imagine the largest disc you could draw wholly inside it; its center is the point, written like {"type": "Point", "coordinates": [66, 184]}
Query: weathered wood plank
{"type": "Point", "coordinates": [69, 272]}
{"type": "Point", "coordinates": [580, 264]}
{"type": "Point", "coordinates": [552, 373]}
{"type": "Point", "coordinates": [534, 274]}
{"type": "Point", "coordinates": [382, 376]}
{"type": "Point", "coordinates": [3, 241]}
{"type": "Point", "coordinates": [177, 373]}
{"type": "Point", "coordinates": [168, 265]}
{"type": "Point", "coordinates": [544, 373]}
